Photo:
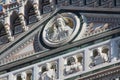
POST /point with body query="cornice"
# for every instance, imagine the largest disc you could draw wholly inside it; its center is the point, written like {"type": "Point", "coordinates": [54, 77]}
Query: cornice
{"type": "Point", "coordinates": [103, 73]}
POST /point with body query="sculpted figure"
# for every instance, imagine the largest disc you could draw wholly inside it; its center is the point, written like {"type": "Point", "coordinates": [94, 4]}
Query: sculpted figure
{"type": "Point", "coordinates": [49, 74]}
{"type": "Point", "coordinates": [100, 55]}
{"type": "Point", "coordinates": [96, 58]}
{"type": "Point", "coordinates": [24, 76]}
{"type": "Point", "coordinates": [73, 65]}
{"type": "Point", "coordinates": [104, 53]}
{"type": "Point", "coordinates": [59, 30]}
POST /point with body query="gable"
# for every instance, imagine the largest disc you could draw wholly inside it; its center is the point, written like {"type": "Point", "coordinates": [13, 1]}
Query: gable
{"type": "Point", "coordinates": [89, 24]}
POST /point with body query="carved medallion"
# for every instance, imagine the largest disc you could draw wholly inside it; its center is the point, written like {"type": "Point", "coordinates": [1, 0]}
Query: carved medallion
{"type": "Point", "coordinates": [60, 30]}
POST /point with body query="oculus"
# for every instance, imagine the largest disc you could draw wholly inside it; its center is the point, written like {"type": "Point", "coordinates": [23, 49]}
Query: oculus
{"type": "Point", "coordinates": [60, 30]}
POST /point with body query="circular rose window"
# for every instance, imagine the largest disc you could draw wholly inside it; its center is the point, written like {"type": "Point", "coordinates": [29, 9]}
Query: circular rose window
{"type": "Point", "coordinates": [61, 29]}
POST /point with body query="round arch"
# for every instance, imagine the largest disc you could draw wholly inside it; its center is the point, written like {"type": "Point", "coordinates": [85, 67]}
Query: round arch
{"type": "Point", "coordinates": [15, 24]}
{"type": "Point", "coordinates": [30, 12]}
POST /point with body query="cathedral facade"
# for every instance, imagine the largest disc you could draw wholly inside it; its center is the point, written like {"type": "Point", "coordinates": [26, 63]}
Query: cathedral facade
{"type": "Point", "coordinates": [60, 40]}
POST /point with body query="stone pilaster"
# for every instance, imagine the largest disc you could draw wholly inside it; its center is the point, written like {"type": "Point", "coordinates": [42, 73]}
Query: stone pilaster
{"type": "Point", "coordinates": [36, 73]}
{"type": "Point", "coordinates": [114, 51]}
{"type": "Point", "coordinates": [61, 68]}
{"type": "Point", "coordinates": [87, 59]}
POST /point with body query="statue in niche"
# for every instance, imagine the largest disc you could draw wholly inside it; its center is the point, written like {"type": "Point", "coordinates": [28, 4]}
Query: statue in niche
{"type": "Point", "coordinates": [48, 73]}
{"type": "Point", "coordinates": [23, 76]}
{"type": "Point", "coordinates": [104, 53]}
{"type": "Point", "coordinates": [74, 64]}
{"type": "Point", "coordinates": [96, 58]}
{"type": "Point", "coordinates": [100, 55]}
{"type": "Point", "coordinates": [59, 31]}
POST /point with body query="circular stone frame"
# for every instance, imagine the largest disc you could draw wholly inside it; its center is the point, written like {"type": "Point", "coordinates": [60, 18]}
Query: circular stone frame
{"type": "Point", "coordinates": [76, 28]}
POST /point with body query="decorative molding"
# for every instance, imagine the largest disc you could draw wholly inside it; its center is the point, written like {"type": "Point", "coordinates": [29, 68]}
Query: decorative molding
{"type": "Point", "coordinates": [6, 59]}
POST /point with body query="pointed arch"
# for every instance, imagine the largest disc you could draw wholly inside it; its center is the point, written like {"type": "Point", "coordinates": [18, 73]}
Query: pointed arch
{"type": "Point", "coordinates": [30, 12]}
{"type": "Point", "coordinates": [15, 24]}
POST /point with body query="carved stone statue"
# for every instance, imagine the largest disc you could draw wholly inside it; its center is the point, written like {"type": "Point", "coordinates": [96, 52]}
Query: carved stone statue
{"type": "Point", "coordinates": [96, 58]}
{"type": "Point", "coordinates": [24, 76]}
{"type": "Point", "coordinates": [59, 30]}
{"type": "Point", "coordinates": [49, 74]}
{"type": "Point", "coordinates": [100, 55]}
{"type": "Point", "coordinates": [73, 65]}
{"type": "Point", "coordinates": [104, 53]}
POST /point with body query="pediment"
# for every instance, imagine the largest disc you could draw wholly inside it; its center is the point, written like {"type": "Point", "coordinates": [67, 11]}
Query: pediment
{"type": "Point", "coordinates": [25, 51]}
{"type": "Point", "coordinates": [47, 34]}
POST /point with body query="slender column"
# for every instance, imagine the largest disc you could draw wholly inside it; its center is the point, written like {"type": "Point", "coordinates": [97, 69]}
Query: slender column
{"type": "Point", "coordinates": [7, 27]}
{"type": "Point", "coordinates": [61, 68]}
{"type": "Point", "coordinates": [22, 19]}
{"type": "Point", "coordinates": [8, 31]}
{"type": "Point", "coordinates": [114, 51]}
{"type": "Point", "coordinates": [36, 73]}
{"type": "Point", "coordinates": [87, 59]}
{"type": "Point", "coordinates": [36, 8]}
